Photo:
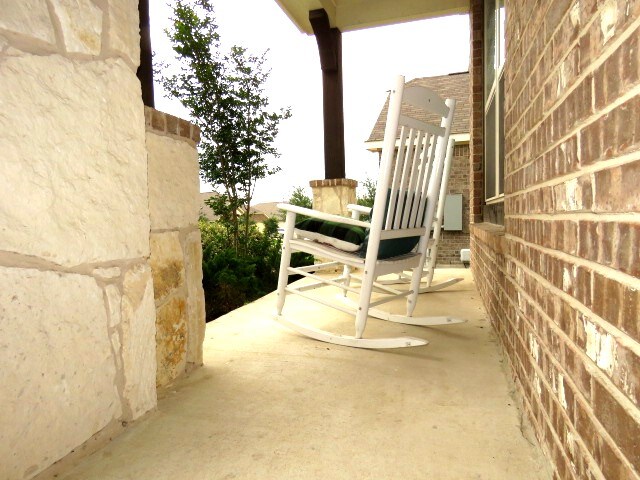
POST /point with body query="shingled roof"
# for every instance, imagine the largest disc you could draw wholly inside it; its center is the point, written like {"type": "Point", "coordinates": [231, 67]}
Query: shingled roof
{"type": "Point", "coordinates": [454, 85]}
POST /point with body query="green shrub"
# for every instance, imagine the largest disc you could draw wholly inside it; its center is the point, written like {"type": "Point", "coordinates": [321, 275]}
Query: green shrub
{"type": "Point", "coordinates": [227, 281]}
{"type": "Point", "coordinates": [232, 279]}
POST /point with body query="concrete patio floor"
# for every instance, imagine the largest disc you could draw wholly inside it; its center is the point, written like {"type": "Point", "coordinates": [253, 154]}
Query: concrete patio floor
{"type": "Point", "coordinates": [271, 404]}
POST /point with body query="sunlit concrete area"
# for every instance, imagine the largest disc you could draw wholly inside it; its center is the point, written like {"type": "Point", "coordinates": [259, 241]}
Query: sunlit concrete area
{"type": "Point", "coordinates": [271, 404]}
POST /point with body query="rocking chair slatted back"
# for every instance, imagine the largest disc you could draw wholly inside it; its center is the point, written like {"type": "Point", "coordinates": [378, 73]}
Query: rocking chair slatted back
{"type": "Point", "coordinates": [407, 193]}
{"type": "Point", "coordinates": [412, 164]}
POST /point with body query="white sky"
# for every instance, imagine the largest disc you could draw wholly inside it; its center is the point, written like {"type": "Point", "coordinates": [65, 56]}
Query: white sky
{"type": "Point", "coordinates": [371, 59]}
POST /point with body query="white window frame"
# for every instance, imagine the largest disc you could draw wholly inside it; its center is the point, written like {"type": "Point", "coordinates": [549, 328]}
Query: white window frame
{"type": "Point", "coordinates": [492, 97]}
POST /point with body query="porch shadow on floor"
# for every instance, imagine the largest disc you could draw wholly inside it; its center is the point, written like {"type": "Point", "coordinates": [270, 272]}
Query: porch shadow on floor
{"type": "Point", "coordinates": [270, 404]}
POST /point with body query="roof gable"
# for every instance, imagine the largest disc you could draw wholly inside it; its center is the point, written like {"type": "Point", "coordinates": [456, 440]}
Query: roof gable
{"type": "Point", "coordinates": [455, 85]}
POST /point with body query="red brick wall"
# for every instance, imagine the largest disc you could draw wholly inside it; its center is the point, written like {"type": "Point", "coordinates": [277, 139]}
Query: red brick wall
{"type": "Point", "coordinates": [476, 171]}
{"type": "Point", "coordinates": [451, 242]}
{"type": "Point", "coordinates": [561, 280]}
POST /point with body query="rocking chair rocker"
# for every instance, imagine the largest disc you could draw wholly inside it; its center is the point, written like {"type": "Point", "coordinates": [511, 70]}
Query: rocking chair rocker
{"type": "Point", "coordinates": [396, 238]}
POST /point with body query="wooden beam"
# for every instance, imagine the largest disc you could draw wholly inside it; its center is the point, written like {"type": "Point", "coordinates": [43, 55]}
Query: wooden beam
{"type": "Point", "coordinates": [330, 49]}
{"type": "Point", "coordinates": [145, 70]}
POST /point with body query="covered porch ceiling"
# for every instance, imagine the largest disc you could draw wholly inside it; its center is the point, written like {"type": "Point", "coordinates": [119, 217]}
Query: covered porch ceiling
{"type": "Point", "coordinates": [348, 15]}
{"type": "Point", "coordinates": [327, 20]}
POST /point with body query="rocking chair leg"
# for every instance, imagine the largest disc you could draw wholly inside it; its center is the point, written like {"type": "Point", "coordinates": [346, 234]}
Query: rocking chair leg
{"type": "Point", "coordinates": [346, 273]}
{"type": "Point", "coordinates": [365, 299]}
{"type": "Point", "coordinates": [412, 299]}
{"type": "Point", "coordinates": [285, 261]}
{"type": "Point", "coordinates": [429, 277]}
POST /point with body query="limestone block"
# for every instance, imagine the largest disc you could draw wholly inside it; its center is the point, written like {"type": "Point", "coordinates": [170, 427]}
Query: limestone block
{"type": "Point", "coordinates": [124, 29]}
{"type": "Point", "coordinates": [167, 264]}
{"type": "Point", "coordinates": [334, 199]}
{"type": "Point", "coordinates": [73, 174]}
{"type": "Point", "coordinates": [28, 17]}
{"type": "Point", "coordinates": [81, 23]}
{"type": "Point", "coordinates": [171, 339]}
{"type": "Point", "coordinates": [57, 370]}
{"type": "Point", "coordinates": [174, 184]}
{"type": "Point", "coordinates": [138, 341]}
{"type": "Point", "coordinates": [195, 297]}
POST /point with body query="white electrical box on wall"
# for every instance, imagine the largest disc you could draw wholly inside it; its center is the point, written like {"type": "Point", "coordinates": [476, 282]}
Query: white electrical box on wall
{"type": "Point", "coordinates": [452, 220]}
{"type": "Point", "coordinates": [465, 255]}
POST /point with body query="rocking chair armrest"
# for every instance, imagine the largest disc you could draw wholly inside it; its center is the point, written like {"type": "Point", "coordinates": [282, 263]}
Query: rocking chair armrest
{"type": "Point", "coordinates": [322, 215]}
{"type": "Point", "coordinates": [357, 210]}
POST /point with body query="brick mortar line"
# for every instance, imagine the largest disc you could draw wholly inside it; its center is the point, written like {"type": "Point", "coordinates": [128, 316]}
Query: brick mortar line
{"type": "Point", "coordinates": [630, 94]}
{"type": "Point", "coordinates": [622, 399]}
{"type": "Point", "coordinates": [595, 167]}
{"type": "Point", "coordinates": [583, 30]}
{"type": "Point", "coordinates": [610, 329]}
{"type": "Point", "coordinates": [173, 136]}
{"type": "Point", "coordinates": [566, 378]}
{"type": "Point", "coordinates": [605, 271]}
{"type": "Point", "coordinates": [526, 406]}
{"type": "Point", "coordinates": [614, 239]}
{"type": "Point", "coordinates": [577, 437]}
{"type": "Point", "coordinates": [595, 371]}
{"type": "Point", "coordinates": [520, 65]}
{"type": "Point", "coordinates": [587, 71]}
{"type": "Point", "coordinates": [629, 343]}
{"type": "Point", "coordinates": [631, 217]}
{"type": "Point", "coordinates": [600, 60]}
{"type": "Point", "coordinates": [504, 338]}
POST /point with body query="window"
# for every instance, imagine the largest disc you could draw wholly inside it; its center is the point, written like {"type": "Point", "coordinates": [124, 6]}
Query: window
{"type": "Point", "coordinates": [494, 57]}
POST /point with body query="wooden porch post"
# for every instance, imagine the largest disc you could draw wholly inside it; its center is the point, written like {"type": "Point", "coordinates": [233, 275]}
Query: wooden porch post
{"type": "Point", "coordinates": [330, 49]}
{"type": "Point", "coordinates": [145, 70]}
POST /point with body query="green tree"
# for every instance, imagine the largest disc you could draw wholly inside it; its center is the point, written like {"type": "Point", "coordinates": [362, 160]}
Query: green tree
{"type": "Point", "coordinates": [224, 93]}
{"type": "Point", "coordinates": [300, 199]}
{"type": "Point", "coordinates": [368, 193]}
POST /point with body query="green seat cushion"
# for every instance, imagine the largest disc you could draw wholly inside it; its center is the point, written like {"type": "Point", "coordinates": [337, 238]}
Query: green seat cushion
{"type": "Point", "coordinates": [392, 247]}
{"type": "Point", "coordinates": [345, 237]}
{"type": "Point", "coordinates": [355, 239]}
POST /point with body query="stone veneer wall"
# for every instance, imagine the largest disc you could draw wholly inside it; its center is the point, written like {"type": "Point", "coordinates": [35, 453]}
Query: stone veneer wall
{"type": "Point", "coordinates": [561, 279]}
{"type": "Point", "coordinates": [333, 195]}
{"type": "Point", "coordinates": [77, 315]}
{"type": "Point", "coordinates": [176, 249]}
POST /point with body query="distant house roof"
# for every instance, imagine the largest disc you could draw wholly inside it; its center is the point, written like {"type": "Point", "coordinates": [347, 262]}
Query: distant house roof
{"type": "Point", "coordinates": [259, 212]}
{"type": "Point", "coordinates": [204, 208]}
{"type": "Point", "coordinates": [454, 85]}
{"type": "Point", "coordinates": [268, 209]}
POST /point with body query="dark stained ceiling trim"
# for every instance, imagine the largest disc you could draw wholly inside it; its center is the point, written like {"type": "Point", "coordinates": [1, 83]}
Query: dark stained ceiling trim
{"type": "Point", "coordinates": [349, 15]}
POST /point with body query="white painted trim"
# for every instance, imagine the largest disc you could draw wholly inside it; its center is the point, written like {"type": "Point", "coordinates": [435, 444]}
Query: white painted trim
{"type": "Point", "coordinates": [377, 145]}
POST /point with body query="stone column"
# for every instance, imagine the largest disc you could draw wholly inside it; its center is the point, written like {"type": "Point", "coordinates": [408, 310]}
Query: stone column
{"type": "Point", "coordinates": [77, 317]}
{"type": "Point", "coordinates": [333, 195]}
{"type": "Point", "coordinates": [176, 250]}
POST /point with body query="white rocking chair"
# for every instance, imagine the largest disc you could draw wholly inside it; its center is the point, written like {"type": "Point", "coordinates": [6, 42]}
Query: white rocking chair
{"type": "Point", "coordinates": [432, 246]}
{"type": "Point", "coordinates": [407, 193]}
